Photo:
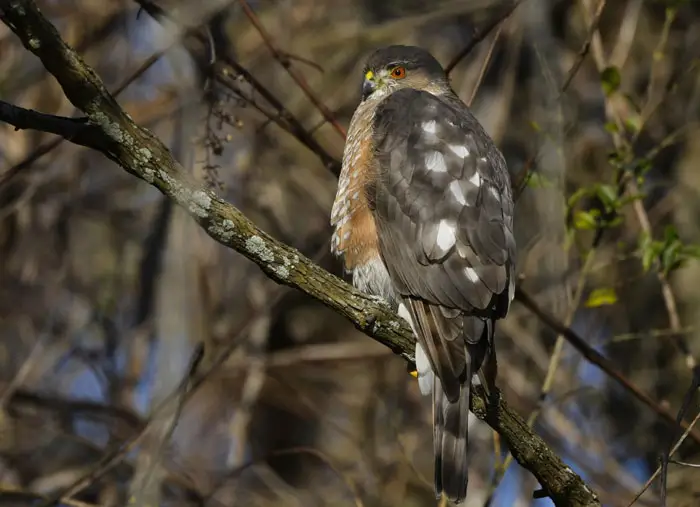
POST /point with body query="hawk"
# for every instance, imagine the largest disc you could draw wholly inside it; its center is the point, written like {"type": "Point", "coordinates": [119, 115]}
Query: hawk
{"type": "Point", "coordinates": [423, 217]}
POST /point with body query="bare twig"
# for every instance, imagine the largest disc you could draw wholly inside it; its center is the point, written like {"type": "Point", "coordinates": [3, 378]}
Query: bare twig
{"type": "Point", "coordinates": [284, 61]}
{"type": "Point", "coordinates": [656, 473]}
{"type": "Point", "coordinates": [485, 65]}
{"type": "Point", "coordinates": [585, 48]}
{"type": "Point", "coordinates": [48, 147]}
{"type": "Point", "coordinates": [17, 497]}
{"type": "Point", "coordinates": [684, 463]}
{"type": "Point", "coordinates": [145, 487]}
{"type": "Point", "coordinates": [312, 452]}
{"type": "Point", "coordinates": [685, 405]}
{"type": "Point", "coordinates": [553, 361]}
{"type": "Point", "coordinates": [602, 362]}
{"type": "Point", "coordinates": [303, 60]}
{"type": "Point", "coordinates": [24, 370]}
{"type": "Point", "coordinates": [652, 333]}
{"type": "Point", "coordinates": [254, 378]}
{"type": "Point", "coordinates": [482, 32]}
{"type": "Point", "coordinates": [228, 66]}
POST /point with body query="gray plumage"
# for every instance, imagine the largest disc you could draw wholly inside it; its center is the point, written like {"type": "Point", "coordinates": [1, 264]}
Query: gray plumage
{"type": "Point", "coordinates": [441, 202]}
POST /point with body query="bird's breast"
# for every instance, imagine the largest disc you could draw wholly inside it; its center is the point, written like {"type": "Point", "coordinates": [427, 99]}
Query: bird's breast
{"type": "Point", "coordinates": [355, 234]}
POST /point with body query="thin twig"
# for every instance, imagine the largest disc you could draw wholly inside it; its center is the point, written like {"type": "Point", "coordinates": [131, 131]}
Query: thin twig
{"type": "Point", "coordinates": [585, 48]}
{"type": "Point", "coordinates": [24, 370]}
{"type": "Point", "coordinates": [18, 497]}
{"type": "Point", "coordinates": [685, 405]}
{"type": "Point", "coordinates": [684, 463]}
{"type": "Point", "coordinates": [284, 61]}
{"type": "Point", "coordinates": [284, 118]}
{"type": "Point", "coordinates": [224, 71]}
{"type": "Point", "coordinates": [656, 473]}
{"type": "Point", "coordinates": [599, 360]}
{"type": "Point", "coordinates": [556, 354]}
{"type": "Point", "coordinates": [304, 450]}
{"type": "Point", "coordinates": [48, 147]}
{"type": "Point", "coordinates": [111, 459]}
{"type": "Point", "coordinates": [147, 481]}
{"type": "Point", "coordinates": [653, 333]}
{"type": "Point", "coordinates": [482, 32]}
{"type": "Point", "coordinates": [485, 65]}
{"type": "Point", "coordinates": [303, 60]}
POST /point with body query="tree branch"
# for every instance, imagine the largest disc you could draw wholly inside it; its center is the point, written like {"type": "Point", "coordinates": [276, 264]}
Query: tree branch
{"type": "Point", "coordinates": [19, 498]}
{"type": "Point", "coordinates": [142, 154]}
{"type": "Point", "coordinates": [602, 362]}
{"type": "Point", "coordinates": [75, 130]}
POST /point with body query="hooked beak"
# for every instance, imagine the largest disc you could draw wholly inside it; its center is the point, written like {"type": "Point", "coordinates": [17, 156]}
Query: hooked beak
{"type": "Point", "coordinates": [368, 85]}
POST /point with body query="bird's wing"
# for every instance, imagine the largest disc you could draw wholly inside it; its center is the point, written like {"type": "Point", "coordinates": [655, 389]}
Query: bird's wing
{"type": "Point", "coordinates": [443, 209]}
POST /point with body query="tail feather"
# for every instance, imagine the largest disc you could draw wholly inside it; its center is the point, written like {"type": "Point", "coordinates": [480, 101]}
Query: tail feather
{"type": "Point", "coordinates": [451, 435]}
{"type": "Point", "coordinates": [452, 348]}
{"type": "Point", "coordinates": [451, 418]}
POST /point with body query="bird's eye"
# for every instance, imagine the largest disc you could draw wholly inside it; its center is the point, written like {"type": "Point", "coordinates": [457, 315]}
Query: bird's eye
{"type": "Point", "coordinates": [398, 72]}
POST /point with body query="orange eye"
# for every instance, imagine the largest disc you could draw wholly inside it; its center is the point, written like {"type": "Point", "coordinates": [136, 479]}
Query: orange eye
{"type": "Point", "coordinates": [398, 73]}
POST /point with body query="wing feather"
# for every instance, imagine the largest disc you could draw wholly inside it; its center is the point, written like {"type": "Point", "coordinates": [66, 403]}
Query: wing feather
{"type": "Point", "coordinates": [442, 204]}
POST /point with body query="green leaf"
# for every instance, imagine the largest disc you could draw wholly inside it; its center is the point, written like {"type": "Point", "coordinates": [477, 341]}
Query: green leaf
{"type": "Point", "coordinates": [616, 159]}
{"type": "Point", "coordinates": [670, 258]}
{"type": "Point", "coordinates": [648, 251]}
{"type": "Point", "coordinates": [633, 123]}
{"type": "Point", "coordinates": [692, 251]}
{"type": "Point", "coordinates": [647, 259]}
{"type": "Point", "coordinates": [631, 198]}
{"type": "Point", "coordinates": [611, 127]}
{"type": "Point", "coordinates": [576, 196]}
{"type": "Point", "coordinates": [610, 79]}
{"type": "Point", "coordinates": [641, 166]}
{"type": "Point", "coordinates": [614, 222]}
{"type": "Point", "coordinates": [670, 234]}
{"type": "Point", "coordinates": [586, 220]}
{"type": "Point", "coordinates": [538, 180]}
{"type": "Point", "coordinates": [601, 297]}
{"type": "Point", "coordinates": [608, 196]}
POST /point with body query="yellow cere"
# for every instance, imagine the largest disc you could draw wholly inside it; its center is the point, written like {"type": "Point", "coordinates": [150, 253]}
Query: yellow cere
{"type": "Point", "coordinates": [369, 75]}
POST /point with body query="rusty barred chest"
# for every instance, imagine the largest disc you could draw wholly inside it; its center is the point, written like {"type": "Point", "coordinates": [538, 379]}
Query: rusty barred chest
{"type": "Point", "coordinates": [355, 234]}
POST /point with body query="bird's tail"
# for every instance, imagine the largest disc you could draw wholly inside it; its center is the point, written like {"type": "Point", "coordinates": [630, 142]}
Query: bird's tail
{"type": "Point", "coordinates": [450, 437]}
{"type": "Point", "coordinates": [451, 418]}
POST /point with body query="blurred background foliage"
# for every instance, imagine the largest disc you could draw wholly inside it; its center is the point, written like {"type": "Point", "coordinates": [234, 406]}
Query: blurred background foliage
{"type": "Point", "coordinates": [106, 289]}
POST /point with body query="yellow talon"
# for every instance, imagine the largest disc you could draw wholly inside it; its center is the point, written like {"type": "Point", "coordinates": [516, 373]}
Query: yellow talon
{"type": "Point", "coordinates": [413, 373]}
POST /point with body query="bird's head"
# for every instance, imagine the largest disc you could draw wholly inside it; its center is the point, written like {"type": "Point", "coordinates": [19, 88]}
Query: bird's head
{"type": "Point", "coordinates": [394, 67]}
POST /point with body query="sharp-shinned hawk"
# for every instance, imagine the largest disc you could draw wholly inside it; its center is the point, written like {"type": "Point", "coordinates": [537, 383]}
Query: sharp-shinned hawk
{"type": "Point", "coordinates": [423, 216]}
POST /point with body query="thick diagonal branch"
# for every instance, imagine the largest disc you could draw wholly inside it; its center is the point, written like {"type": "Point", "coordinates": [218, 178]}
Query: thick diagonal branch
{"type": "Point", "coordinates": [142, 154]}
